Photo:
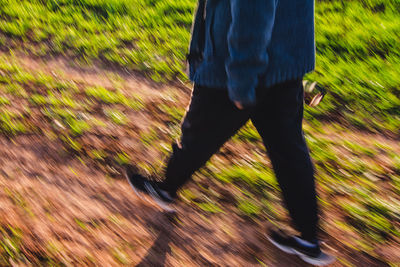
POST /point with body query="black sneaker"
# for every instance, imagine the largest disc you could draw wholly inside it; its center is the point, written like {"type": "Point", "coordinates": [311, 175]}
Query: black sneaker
{"type": "Point", "coordinates": [308, 252]}
{"type": "Point", "coordinates": [144, 187]}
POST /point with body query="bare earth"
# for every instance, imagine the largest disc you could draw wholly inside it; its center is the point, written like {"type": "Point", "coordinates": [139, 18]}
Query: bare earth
{"type": "Point", "coordinates": [74, 212]}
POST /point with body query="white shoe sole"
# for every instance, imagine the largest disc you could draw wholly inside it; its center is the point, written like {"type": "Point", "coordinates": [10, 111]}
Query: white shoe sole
{"type": "Point", "coordinates": [317, 262]}
{"type": "Point", "coordinates": [152, 197]}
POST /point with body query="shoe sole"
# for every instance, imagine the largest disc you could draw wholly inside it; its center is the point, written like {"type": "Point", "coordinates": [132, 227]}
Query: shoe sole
{"type": "Point", "coordinates": [151, 197]}
{"type": "Point", "coordinates": [165, 206]}
{"type": "Point", "coordinates": [304, 257]}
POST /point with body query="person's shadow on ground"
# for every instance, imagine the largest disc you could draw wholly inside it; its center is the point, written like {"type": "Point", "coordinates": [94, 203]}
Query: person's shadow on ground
{"type": "Point", "coordinates": [158, 252]}
{"type": "Point", "coordinates": [167, 226]}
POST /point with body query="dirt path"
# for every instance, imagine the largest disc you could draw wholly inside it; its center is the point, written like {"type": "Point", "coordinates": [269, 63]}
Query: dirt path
{"type": "Point", "coordinates": [57, 208]}
{"type": "Point", "coordinates": [73, 213]}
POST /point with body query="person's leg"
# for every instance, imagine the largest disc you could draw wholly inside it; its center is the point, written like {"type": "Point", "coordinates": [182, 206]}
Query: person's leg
{"type": "Point", "coordinates": [278, 118]}
{"type": "Point", "coordinates": [210, 121]}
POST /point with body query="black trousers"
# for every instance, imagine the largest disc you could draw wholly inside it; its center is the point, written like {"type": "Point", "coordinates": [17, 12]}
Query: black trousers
{"type": "Point", "coordinates": [212, 119]}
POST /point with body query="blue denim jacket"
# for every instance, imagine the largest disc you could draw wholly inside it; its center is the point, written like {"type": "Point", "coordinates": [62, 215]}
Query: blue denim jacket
{"type": "Point", "coordinates": [243, 44]}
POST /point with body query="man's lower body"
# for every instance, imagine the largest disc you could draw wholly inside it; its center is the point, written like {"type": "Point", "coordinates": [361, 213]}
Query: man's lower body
{"type": "Point", "coordinates": [212, 119]}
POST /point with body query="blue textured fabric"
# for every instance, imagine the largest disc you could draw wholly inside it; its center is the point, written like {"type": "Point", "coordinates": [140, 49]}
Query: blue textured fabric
{"type": "Point", "coordinates": [250, 43]}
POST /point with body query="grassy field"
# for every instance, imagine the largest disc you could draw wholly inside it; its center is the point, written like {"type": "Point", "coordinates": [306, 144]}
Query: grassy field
{"type": "Point", "coordinates": [357, 45]}
{"type": "Point", "coordinates": [149, 36]}
{"type": "Point", "coordinates": [353, 135]}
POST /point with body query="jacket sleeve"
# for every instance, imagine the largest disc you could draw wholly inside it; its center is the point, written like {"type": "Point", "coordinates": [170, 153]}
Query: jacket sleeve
{"type": "Point", "coordinates": [248, 38]}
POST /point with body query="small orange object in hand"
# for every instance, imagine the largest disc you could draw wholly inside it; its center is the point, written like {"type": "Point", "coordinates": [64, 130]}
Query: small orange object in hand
{"type": "Point", "coordinates": [239, 105]}
{"type": "Point", "coordinates": [313, 94]}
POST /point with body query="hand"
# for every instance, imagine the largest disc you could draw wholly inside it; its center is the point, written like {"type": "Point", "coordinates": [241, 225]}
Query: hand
{"type": "Point", "coordinates": [238, 105]}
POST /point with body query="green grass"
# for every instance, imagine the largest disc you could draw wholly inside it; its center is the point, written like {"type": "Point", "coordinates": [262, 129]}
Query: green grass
{"type": "Point", "coordinates": [348, 174]}
{"type": "Point", "coordinates": [358, 53]}
{"type": "Point", "coordinates": [11, 123]}
{"type": "Point", "coordinates": [249, 207]}
{"type": "Point", "coordinates": [143, 35]}
{"type": "Point", "coordinates": [116, 116]}
{"type": "Point", "coordinates": [175, 113]}
{"type": "Point", "coordinates": [10, 245]}
{"type": "Point", "coordinates": [148, 137]}
{"type": "Point", "coordinates": [120, 256]}
{"type": "Point", "coordinates": [358, 61]}
{"type": "Point", "coordinates": [4, 100]}
{"type": "Point", "coordinates": [251, 174]}
{"type": "Point", "coordinates": [122, 158]}
{"type": "Point", "coordinates": [209, 207]}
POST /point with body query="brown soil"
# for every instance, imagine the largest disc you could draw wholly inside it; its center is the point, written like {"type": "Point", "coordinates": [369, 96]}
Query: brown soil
{"type": "Point", "coordinates": [73, 211]}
